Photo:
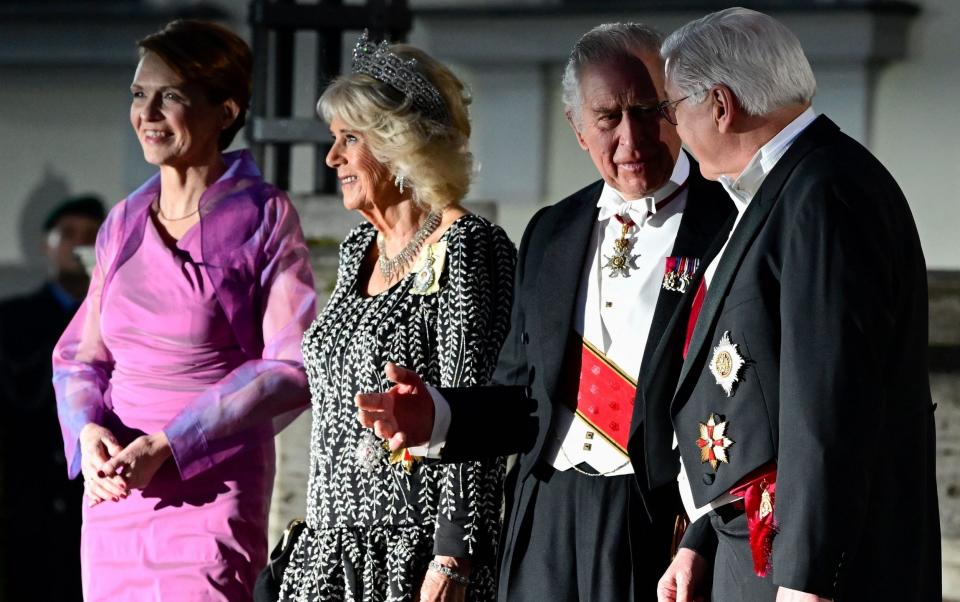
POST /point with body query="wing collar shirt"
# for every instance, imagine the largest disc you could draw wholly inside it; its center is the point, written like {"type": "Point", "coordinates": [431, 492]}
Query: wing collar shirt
{"type": "Point", "coordinates": [741, 191]}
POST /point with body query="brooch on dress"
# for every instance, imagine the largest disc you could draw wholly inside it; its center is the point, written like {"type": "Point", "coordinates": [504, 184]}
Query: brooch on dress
{"type": "Point", "coordinates": [369, 451]}
{"type": "Point", "coordinates": [427, 269]}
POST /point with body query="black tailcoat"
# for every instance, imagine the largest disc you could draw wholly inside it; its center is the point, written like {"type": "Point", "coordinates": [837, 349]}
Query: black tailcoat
{"type": "Point", "coordinates": [823, 290]}
{"type": "Point", "coordinates": [515, 413]}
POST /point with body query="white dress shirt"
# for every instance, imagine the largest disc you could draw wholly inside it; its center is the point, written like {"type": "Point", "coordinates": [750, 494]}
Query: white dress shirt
{"type": "Point", "coordinates": [741, 191]}
{"type": "Point", "coordinates": [614, 313]}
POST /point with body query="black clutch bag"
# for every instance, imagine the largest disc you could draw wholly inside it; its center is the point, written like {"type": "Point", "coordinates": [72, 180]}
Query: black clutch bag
{"type": "Point", "coordinates": [267, 587]}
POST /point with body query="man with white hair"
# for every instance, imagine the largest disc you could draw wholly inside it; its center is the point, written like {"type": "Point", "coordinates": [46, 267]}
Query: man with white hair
{"type": "Point", "coordinates": [599, 276]}
{"type": "Point", "coordinates": [802, 408]}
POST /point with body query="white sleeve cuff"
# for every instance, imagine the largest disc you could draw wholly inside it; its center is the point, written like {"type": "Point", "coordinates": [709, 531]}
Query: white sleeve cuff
{"type": "Point", "coordinates": [441, 425]}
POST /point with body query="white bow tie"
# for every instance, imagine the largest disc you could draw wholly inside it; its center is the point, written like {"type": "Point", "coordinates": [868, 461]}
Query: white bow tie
{"type": "Point", "coordinates": [637, 210]}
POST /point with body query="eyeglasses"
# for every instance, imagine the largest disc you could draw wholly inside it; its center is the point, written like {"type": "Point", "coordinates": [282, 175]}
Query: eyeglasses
{"type": "Point", "coordinates": [668, 109]}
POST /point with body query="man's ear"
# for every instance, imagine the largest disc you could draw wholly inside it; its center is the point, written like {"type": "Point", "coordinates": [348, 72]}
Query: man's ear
{"type": "Point", "coordinates": [725, 107]}
{"type": "Point", "coordinates": [230, 111]}
{"type": "Point", "coordinates": [576, 129]}
{"type": "Point", "coordinates": [50, 243]}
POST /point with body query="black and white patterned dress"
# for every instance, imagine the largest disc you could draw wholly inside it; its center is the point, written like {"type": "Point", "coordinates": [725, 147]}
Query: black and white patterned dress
{"type": "Point", "coordinates": [372, 527]}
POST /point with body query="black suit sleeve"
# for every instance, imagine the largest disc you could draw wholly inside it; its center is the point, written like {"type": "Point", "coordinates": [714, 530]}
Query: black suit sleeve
{"type": "Point", "coordinates": [498, 419]}
{"type": "Point", "coordinates": [701, 538]}
{"type": "Point", "coordinates": [835, 286]}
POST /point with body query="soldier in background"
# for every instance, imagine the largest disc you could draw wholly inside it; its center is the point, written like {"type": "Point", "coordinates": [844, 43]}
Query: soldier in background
{"type": "Point", "coordinates": [39, 506]}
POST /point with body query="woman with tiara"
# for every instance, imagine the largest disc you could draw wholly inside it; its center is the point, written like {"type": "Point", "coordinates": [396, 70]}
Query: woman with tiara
{"type": "Point", "coordinates": [422, 282]}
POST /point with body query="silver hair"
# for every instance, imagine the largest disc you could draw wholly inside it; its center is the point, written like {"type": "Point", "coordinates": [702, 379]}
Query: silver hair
{"type": "Point", "coordinates": [604, 43]}
{"type": "Point", "coordinates": [753, 54]}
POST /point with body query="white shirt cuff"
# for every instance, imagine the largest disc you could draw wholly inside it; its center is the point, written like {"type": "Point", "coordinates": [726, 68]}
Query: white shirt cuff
{"type": "Point", "coordinates": [441, 426]}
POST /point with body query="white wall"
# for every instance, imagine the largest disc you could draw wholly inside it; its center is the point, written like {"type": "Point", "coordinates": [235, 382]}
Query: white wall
{"type": "Point", "coordinates": [63, 130]}
{"type": "Point", "coordinates": [569, 167]}
{"type": "Point", "coordinates": [916, 126]}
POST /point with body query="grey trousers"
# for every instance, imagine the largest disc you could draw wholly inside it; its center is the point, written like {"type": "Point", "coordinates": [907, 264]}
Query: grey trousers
{"type": "Point", "coordinates": [733, 576]}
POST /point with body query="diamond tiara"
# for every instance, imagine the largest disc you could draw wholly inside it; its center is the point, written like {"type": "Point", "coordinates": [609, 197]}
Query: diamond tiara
{"type": "Point", "coordinates": [377, 61]}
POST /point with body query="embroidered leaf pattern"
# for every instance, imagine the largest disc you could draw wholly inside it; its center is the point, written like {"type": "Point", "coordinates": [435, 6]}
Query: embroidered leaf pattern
{"type": "Point", "coordinates": [372, 528]}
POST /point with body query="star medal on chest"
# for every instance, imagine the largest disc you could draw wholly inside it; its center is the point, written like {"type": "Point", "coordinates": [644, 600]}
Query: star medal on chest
{"type": "Point", "coordinates": [621, 262]}
{"type": "Point", "coordinates": [726, 364]}
{"type": "Point", "coordinates": [713, 441]}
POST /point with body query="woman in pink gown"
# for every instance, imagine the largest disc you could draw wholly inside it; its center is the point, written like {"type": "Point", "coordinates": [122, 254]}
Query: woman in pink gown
{"type": "Point", "coordinates": [184, 360]}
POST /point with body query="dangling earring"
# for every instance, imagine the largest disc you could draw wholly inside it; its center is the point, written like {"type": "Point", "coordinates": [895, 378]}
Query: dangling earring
{"type": "Point", "coordinates": [398, 182]}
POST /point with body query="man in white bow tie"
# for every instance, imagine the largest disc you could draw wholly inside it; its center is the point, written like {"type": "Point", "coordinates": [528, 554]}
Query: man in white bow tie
{"type": "Point", "coordinates": [598, 279]}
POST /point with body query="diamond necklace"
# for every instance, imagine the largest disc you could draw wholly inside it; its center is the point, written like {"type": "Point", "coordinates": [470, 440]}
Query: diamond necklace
{"type": "Point", "coordinates": [391, 268]}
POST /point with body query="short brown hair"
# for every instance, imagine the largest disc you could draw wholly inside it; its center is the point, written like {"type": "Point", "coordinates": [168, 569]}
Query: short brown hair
{"type": "Point", "coordinates": [210, 56]}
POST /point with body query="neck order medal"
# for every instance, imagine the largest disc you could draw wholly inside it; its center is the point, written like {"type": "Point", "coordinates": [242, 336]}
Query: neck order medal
{"type": "Point", "coordinates": [622, 261]}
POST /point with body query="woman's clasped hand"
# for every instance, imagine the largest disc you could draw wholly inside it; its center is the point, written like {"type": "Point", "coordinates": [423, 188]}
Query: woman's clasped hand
{"type": "Point", "coordinates": [110, 470]}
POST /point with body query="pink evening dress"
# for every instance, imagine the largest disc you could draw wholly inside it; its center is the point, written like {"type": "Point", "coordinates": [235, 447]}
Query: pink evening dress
{"type": "Point", "coordinates": [157, 350]}
{"type": "Point", "coordinates": [171, 340]}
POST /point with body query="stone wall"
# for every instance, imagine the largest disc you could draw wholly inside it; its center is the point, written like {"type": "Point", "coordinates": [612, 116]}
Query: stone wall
{"type": "Point", "coordinates": [945, 387]}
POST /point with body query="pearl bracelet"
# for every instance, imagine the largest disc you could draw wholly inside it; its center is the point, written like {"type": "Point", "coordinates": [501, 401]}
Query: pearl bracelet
{"type": "Point", "coordinates": [449, 573]}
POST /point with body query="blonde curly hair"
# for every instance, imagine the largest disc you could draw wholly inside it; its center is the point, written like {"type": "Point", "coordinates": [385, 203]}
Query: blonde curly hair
{"type": "Point", "coordinates": [433, 158]}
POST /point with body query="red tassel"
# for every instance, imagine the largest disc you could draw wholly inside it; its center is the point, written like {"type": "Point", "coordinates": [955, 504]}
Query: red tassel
{"type": "Point", "coordinates": [762, 530]}
{"type": "Point", "coordinates": [759, 491]}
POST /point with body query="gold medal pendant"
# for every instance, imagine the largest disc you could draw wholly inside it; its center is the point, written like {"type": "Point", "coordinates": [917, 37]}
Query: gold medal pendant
{"type": "Point", "coordinates": [766, 502]}
{"type": "Point", "coordinates": [620, 262]}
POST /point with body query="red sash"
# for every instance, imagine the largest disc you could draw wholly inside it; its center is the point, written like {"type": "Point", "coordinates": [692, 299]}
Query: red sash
{"type": "Point", "coordinates": [605, 396]}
